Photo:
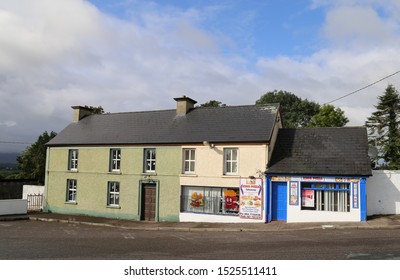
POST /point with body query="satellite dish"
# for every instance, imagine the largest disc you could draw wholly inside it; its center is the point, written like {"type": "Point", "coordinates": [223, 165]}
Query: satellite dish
{"type": "Point", "coordinates": [372, 152]}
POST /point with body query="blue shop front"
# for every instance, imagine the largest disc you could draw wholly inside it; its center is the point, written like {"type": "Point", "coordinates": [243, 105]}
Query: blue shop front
{"type": "Point", "coordinates": [318, 175]}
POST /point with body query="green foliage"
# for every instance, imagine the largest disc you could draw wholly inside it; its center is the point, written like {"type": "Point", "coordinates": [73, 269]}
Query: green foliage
{"type": "Point", "coordinates": [296, 112]}
{"type": "Point", "coordinates": [384, 127]}
{"type": "Point", "coordinates": [32, 162]}
{"type": "Point", "coordinates": [329, 116]}
{"type": "Point", "coordinates": [96, 110]}
{"type": "Point", "coordinates": [212, 103]}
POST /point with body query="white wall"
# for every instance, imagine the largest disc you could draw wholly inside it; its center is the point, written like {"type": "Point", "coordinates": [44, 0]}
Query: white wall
{"type": "Point", "coordinates": [31, 189]}
{"type": "Point", "coordinates": [383, 193]}
{"type": "Point", "coordinates": [13, 206]}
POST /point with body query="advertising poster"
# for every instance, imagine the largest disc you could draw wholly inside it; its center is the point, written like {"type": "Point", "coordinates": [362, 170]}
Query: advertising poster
{"type": "Point", "coordinates": [294, 186]}
{"type": "Point", "coordinates": [308, 198]}
{"type": "Point", "coordinates": [251, 199]}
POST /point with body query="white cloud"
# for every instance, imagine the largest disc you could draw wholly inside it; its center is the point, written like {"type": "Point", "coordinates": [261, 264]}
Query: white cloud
{"type": "Point", "coordinates": [55, 54]}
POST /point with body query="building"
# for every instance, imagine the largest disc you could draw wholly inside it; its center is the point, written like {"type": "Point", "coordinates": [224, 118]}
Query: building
{"type": "Point", "coordinates": [185, 164]}
{"type": "Point", "coordinates": [318, 175]}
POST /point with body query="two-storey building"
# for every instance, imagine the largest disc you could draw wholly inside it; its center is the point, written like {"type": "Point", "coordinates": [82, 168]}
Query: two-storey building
{"type": "Point", "coordinates": [185, 164]}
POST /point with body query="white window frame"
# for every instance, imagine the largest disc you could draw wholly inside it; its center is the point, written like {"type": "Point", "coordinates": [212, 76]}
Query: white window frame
{"type": "Point", "coordinates": [113, 194]}
{"type": "Point", "coordinates": [230, 162]}
{"type": "Point", "coordinates": [189, 161]}
{"type": "Point", "coordinates": [73, 159]}
{"type": "Point", "coordinates": [71, 190]}
{"type": "Point", "coordinates": [115, 160]}
{"type": "Point", "coordinates": [149, 162]}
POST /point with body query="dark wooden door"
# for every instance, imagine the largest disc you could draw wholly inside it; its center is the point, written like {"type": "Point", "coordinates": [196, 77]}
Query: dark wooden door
{"type": "Point", "coordinates": [148, 202]}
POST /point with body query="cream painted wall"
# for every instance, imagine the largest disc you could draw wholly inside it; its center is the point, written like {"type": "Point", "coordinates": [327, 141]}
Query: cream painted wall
{"type": "Point", "coordinates": [209, 170]}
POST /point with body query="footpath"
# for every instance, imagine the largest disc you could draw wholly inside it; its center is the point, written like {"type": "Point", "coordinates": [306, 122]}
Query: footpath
{"type": "Point", "coordinates": [373, 222]}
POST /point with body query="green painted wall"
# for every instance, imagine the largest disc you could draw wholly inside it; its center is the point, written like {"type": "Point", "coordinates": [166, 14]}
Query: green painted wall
{"type": "Point", "coordinates": [93, 175]}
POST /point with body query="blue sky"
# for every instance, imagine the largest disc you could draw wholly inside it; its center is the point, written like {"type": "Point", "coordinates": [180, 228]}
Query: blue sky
{"type": "Point", "coordinates": [132, 55]}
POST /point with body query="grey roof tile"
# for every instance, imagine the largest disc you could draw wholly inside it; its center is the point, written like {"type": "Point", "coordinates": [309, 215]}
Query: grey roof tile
{"type": "Point", "coordinates": [321, 151]}
{"type": "Point", "coordinates": [252, 123]}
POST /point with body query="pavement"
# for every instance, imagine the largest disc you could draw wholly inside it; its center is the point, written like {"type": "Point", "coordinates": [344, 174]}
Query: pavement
{"type": "Point", "coordinates": [373, 222]}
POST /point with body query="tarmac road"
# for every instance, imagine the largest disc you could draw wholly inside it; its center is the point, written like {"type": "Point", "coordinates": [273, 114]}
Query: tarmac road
{"type": "Point", "coordinates": [30, 239]}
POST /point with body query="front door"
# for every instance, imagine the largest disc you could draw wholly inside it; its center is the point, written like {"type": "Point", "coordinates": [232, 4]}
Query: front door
{"type": "Point", "coordinates": [279, 201]}
{"type": "Point", "coordinates": [148, 202]}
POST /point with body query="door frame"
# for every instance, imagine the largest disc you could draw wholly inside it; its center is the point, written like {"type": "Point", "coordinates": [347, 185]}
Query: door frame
{"type": "Point", "coordinates": [142, 183]}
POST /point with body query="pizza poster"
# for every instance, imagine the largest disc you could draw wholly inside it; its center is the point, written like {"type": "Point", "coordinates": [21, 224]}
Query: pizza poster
{"type": "Point", "coordinates": [251, 199]}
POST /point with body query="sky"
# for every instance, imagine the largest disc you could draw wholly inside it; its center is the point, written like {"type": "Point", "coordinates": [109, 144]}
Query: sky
{"type": "Point", "coordinates": [132, 55]}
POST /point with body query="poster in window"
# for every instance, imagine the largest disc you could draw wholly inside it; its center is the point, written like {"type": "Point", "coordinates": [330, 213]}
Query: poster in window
{"type": "Point", "coordinates": [196, 199]}
{"type": "Point", "coordinates": [307, 198]}
{"type": "Point", "coordinates": [231, 203]}
{"type": "Point", "coordinates": [355, 195]}
{"type": "Point", "coordinates": [251, 199]}
{"type": "Point", "coordinates": [294, 197]}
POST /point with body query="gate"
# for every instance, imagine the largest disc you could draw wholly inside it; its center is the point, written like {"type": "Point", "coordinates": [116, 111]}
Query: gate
{"type": "Point", "coordinates": [35, 202]}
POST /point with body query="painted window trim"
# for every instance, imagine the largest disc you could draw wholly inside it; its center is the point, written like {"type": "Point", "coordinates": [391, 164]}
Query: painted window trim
{"type": "Point", "coordinates": [73, 161]}
{"type": "Point", "coordinates": [113, 205]}
{"type": "Point", "coordinates": [230, 173]}
{"type": "Point", "coordinates": [191, 162]}
{"type": "Point", "coordinates": [151, 160]}
{"type": "Point", "coordinates": [115, 161]}
{"type": "Point", "coordinates": [73, 190]}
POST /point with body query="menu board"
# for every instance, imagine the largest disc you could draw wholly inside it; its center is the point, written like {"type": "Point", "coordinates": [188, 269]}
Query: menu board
{"type": "Point", "coordinates": [251, 199]}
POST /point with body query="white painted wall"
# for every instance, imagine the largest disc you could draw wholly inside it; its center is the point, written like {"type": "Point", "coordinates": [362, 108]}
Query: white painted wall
{"type": "Point", "coordinates": [383, 193]}
{"type": "Point", "coordinates": [209, 218]}
{"type": "Point", "coordinates": [31, 189]}
{"type": "Point", "coordinates": [13, 206]}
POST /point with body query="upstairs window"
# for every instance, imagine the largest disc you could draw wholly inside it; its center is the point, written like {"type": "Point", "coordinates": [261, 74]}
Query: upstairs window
{"type": "Point", "coordinates": [189, 160]}
{"type": "Point", "coordinates": [115, 160]}
{"type": "Point", "coordinates": [231, 161]}
{"type": "Point", "coordinates": [73, 160]}
{"type": "Point", "coordinates": [149, 160]}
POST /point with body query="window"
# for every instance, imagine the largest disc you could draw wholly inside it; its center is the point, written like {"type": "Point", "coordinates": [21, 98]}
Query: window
{"type": "Point", "coordinates": [115, 160]}
{"type": "Point", "coordinates": [325, 197]}
{"type": "Point", "coordinates": [230, 161]}
{"type": "Point", "coordinates": [210, 200]}
{"type": "Point", "coordinates": [113, 194]}
{"type": "Point", "coordinates": [71, 190]}
{"type": "Point", "coordinates": [189, 160]}
{"type": "Point", "coordinates": [73, 160]}
{"type": "Point", "coordinates": [149, 160]}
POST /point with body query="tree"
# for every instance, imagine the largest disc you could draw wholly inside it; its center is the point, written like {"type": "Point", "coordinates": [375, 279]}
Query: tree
{"type": "Point", "coordinates": [384, 127]}
{"type": "Point", "coordinates": [32, 162]}
{"type": "Point", "coordinates": [328, 116]}
{"type": "Point", "coordinates": [295, 111]}
{"type": "Point", "coordinates": [213, 103]}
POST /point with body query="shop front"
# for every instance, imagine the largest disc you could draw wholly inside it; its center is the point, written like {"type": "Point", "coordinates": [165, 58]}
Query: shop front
{"type": "Point", "coordinates": [316, 198]}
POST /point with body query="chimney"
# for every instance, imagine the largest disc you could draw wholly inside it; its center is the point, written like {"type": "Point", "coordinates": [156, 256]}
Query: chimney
{"type": "Point", "coordinates": [184, 105]}
{"type": "Point", "coordinates": [80, 112]}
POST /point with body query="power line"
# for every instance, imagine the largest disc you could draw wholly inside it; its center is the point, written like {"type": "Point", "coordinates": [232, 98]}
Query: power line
{"type": "Point", "coordinates": [353, 92]}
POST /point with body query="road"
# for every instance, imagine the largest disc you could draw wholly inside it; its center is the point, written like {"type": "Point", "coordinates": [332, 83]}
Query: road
{"type": "Point", "coordinates": [22, 240]}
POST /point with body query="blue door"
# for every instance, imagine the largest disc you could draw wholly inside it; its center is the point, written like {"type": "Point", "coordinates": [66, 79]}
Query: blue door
{"type": "Point", "coordinates": [279, 201]}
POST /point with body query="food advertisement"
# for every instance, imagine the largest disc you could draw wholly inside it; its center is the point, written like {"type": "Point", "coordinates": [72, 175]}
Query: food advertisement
{"type": "Point", "coordinates": [230, 201]}
{"type": "Point", "coordinates": [307, 198]}
{"type": "Point", "coordinates": [196, 199]}
{"type": "Point", "coordinates": [251, 198]}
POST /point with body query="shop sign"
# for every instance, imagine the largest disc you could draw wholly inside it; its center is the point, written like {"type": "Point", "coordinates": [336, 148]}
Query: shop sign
{"type": "Point", "coordinates": [251, 199]}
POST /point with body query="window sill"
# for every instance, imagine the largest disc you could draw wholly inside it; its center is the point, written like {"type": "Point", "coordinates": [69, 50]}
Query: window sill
{"type": "Point", "coordinates": [149, 173]}
{"type": "Point", "coordinates": [114, 206]}
{"type": "Point", "coordinates": [72, 170]}
{"type": "Point", "coordinates": [116, 172]}
{"type": "Point", "coordinates": [230, 176]}
{"type": "Point", "coordinates": [71, 202]}
{"type": "Point", "coordinates": [188, 175]}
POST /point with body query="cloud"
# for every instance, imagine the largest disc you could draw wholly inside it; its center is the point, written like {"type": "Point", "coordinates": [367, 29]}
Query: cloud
{"type": "Point", "coordinates": [56, 54]}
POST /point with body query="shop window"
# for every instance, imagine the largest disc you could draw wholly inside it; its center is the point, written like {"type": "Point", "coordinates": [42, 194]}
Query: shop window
{"type": "Point", "coordinates": [210, 200]}
{"type": "Point", "coordinates": [325, 197]}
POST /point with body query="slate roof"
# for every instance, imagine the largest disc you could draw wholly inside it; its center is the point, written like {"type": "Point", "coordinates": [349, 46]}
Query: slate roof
{"type": "Point", "coordinates": [252, 123]}
{"type": "Point", "coordinates": [321, 151]}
